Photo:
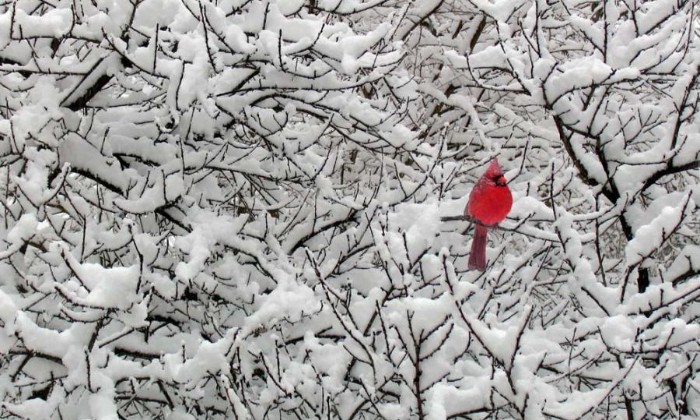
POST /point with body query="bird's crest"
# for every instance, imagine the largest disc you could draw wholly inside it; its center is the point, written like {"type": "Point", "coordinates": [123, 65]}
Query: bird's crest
{"type": "Point", "coordinates": [494, 170]}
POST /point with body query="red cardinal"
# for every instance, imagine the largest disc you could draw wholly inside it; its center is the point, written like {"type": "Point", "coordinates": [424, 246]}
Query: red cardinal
{"type": "Point", "coordinates": [489, 203]}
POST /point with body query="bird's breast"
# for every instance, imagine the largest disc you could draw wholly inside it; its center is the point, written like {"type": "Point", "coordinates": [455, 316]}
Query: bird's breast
{"type": "Point", "coordinates": [491, 204]}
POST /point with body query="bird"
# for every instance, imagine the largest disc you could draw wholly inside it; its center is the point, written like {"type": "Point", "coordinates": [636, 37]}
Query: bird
{"type": "Point", "coordinates": [489, 203]}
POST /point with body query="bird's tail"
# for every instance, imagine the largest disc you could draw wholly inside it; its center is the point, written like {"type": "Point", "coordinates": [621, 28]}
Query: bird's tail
{"type": "Point", "coordinates": [477, 256]}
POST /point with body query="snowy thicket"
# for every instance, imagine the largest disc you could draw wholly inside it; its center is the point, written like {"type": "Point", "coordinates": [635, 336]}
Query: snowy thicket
{"type": "Point", "coordinates": [250, 209]}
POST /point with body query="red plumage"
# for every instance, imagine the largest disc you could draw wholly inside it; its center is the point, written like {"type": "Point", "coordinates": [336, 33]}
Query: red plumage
{"type": "Point", "coordinates": [489, 203]}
